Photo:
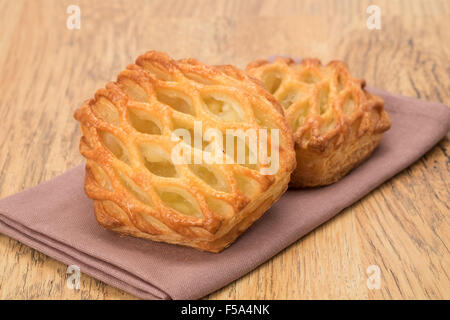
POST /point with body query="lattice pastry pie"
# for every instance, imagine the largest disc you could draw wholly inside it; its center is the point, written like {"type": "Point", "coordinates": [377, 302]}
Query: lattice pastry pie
{"type": "Point", "coordinates": [129, 140]}
{"type": "Point", "coordinates": [336, 123]}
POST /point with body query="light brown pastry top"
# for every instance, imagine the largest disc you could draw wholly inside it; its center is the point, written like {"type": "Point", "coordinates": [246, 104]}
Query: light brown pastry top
{"type": "Point", "coordinates": [127, 130]}
{"type": "Point", "coordinates": [321, 102]}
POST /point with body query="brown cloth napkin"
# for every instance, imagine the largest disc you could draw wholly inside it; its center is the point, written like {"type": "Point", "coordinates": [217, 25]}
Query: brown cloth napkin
{"type": "Point", "coordinates": [57, 218]}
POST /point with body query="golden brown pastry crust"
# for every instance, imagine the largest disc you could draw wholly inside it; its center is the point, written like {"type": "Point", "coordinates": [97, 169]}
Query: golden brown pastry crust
{"type": "Point", "coordinates": [126, 135]}
{"type": "Point", "coordinates": [335, 122]}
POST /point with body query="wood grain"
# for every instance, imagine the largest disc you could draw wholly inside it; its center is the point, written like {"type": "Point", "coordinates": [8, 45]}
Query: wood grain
{"type": "Point", "coordinates": [47, 71]}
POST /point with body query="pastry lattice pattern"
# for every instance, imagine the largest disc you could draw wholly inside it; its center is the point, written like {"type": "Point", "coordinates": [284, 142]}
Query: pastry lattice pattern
{"type": "Point", "coordinates": [127, 141]}
{"type": "Point", "coordinates": [322, 103]}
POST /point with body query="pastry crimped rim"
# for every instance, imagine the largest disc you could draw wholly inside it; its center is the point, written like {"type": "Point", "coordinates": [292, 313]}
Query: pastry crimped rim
{"type": "Point", "coordinates": [336, 123]}
{"type": "Point", "coordinates": [131, 199]}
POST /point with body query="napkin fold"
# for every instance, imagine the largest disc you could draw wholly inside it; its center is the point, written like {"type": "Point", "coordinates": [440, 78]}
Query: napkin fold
{"type": "Point", "coordinates": [57, 218]}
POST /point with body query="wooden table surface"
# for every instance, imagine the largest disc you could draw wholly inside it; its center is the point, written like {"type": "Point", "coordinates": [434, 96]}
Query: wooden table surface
{"type": "Point", "coordinates": [47, 70]}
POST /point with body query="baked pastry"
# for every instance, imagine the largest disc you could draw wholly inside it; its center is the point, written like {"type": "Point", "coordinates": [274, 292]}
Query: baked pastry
{"type": "Point", "coordinates": [129, 141]}
{"type": "Point", "coordinates": [335, 122]}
